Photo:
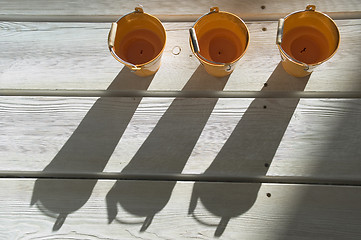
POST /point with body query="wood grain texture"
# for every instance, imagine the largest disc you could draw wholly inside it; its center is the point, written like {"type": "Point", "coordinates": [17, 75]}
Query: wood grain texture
{"type": "Point", "coordinates": [246, 9]}
{"type": "Point", "coordinates": [228, 137]}
{"type": "Point", "coordinates": [52, 45]}
{"type": "Point", "coordinates": [70, 209]}
{"type": "Point", "coordinates": [75, 56]}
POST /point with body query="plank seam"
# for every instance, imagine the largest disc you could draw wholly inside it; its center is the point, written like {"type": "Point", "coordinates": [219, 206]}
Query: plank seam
{"type": "Point", "coordinates": [185, 177]}
{"type": "Point", "coordinates": [162, 17]}
{"type": "Point", "coordinates": [181, 94]}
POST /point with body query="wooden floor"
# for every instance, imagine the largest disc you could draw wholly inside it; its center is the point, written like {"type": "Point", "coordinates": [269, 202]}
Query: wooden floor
{"type": "Point", "coordinates": [88, 150]}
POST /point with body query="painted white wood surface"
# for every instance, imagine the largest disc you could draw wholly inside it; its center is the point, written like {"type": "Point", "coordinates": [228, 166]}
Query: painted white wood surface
{"type": "Point", "coordinates": [123, 209]}
{"type": "Point", "coordinates": [228, 137]}
{"type": "Point", "coordinates": [255, 8]}
{"type": "Point", "coordinates": [76, 56]}
{"type": "Point", "coordinates": [41, 48]}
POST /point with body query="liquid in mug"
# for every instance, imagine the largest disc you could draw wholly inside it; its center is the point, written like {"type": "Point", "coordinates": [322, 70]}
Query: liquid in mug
{"type": "Point", "coordinates": [139, 46]}
{"type": "Point", "coordinates": [221, 45]}
{"type": "Point", "coordinates": [306, 44]}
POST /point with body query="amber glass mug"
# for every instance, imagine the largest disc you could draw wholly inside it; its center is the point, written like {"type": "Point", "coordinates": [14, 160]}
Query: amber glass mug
{"type": "Point", "coordinates": [138, 40]}
{"type": "Point", "coordinates": [219, 39]}
{"type": "Point", "coordinates": [306, 39]}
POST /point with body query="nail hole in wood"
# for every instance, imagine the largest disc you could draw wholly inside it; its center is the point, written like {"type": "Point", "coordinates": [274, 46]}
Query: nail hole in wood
{"type": "Point", "coordinates": [266, 165]}
{"type": "Point", "coordinates": [264, 29]}
{"type": "Point", "coordinates": [264, 106]}
{"type": "Point", "coordinates": [263, 6]}
{"type": "Point", "coordinates": [265, 84]}
{"type": "Point", "coordinates": [268, 194]}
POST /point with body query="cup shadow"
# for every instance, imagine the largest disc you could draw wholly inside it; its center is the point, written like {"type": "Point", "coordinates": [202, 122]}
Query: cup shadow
{"type": "Point", "coordinates": [165, 151]}
{"type": "Point", "coordinates": [249, 150]}
{"type": "Point", "coordinates": [87, 150]}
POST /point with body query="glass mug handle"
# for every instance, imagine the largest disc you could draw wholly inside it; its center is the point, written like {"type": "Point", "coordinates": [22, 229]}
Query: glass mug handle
{"type": "Point", "coordinates": [279, 37]}
{"type": "Point", "coordinates": [111, 40]}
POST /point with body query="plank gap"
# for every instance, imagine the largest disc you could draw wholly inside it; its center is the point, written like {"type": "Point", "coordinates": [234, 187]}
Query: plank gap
{"type": "Point", "coordinates": [186, 178]}
{"type": "Point", "coordinates": [162, 17]}
{"type": "Point", "coordinates": [182, 94]}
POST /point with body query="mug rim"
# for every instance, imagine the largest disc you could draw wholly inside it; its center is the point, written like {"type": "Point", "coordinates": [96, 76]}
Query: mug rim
{"type": "Point", "coordinates": [227, 63]}
{"type": "Point", "coordinates": [320, 62]}
{"type": "Point", "coordinates": [153, 59]}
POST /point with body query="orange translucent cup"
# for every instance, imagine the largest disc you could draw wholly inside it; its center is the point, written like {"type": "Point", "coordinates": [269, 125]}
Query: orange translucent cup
{"type": "Point", "coordinates": [137, 40]}
{"type": "Point", "coordinates": [306, 39]}
{"type": "Point", "coordinates": [219, 39]}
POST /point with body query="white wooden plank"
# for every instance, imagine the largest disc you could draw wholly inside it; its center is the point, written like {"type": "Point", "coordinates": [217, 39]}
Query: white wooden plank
{"type": "Point", "coordinates": [183, 210]}
{"type": "Point", "coordinates": [173, 7]}
{"type": "Point", "coordinates": [80, 59]}
{"type": "Point", "coordinates": [228, 137]}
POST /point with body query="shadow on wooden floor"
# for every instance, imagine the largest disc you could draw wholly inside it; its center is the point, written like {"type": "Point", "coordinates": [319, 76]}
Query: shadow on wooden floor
{"type": "Point", "coordinates": [166, 150]}
{"type": "Point", "coordinates": [88, 150]}
{"type": "Point", "coordinates": [331, 212]}
{"type": "Point", "coordinates": [249, 150]}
